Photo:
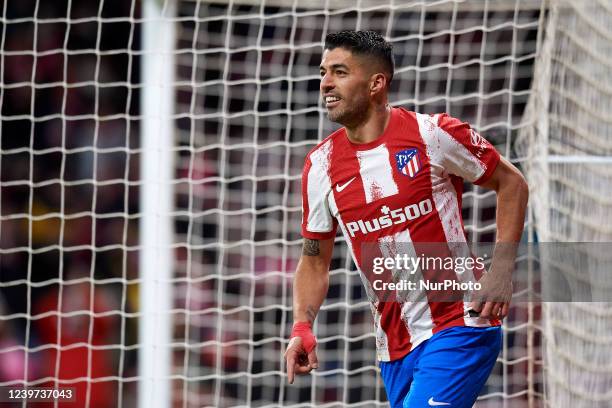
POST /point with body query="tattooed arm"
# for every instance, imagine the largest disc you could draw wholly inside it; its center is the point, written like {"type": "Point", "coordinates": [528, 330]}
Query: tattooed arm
{"type": "Point", "coordinates": [311, 279]}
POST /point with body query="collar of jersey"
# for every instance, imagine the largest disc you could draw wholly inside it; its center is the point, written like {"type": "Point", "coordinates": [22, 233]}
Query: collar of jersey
{"type": "Point", "coordinates": [380, 139]}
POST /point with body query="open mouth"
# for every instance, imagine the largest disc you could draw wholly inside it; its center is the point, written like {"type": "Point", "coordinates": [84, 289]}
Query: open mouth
{"type": "Point", "coordinates": [331, 101]}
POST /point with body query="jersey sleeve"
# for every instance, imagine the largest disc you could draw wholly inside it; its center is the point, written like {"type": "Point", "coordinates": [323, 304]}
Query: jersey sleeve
{"type": "Point", "coordinates": [464, 152]}
{"type": "Point", "coordinates": [317, 220]}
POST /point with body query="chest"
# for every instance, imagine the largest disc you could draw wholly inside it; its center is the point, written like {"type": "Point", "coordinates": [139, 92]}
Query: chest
{"type": "Point", "coordinates": [372, 183]}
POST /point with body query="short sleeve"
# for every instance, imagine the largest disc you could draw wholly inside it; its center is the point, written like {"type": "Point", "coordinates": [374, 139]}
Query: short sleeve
{"type": "Point", "coordinates": [317, 220]}
{"type": "Point", "coordinates": [465, 153]}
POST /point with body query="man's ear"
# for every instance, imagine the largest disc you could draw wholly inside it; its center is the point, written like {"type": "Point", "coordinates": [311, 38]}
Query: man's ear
{"type": "Point", "coordinates": [378, 82]}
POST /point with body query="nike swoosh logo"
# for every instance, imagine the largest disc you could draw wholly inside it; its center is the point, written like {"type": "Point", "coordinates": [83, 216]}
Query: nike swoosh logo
{"type": "Point", "coordinates": [339, 187]}
{"type": "Point", "coordinates": [433, 403]}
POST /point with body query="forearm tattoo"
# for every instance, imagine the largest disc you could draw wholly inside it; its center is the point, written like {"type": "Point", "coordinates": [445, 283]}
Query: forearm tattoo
{"type": "Point", "coordinates": [311, 314]}
{"type": "Point", "coordinates": [311, 247]}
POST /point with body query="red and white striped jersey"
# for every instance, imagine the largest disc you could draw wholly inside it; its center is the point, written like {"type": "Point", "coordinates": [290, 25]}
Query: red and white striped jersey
{"type": "Point", "coordinates": [418, 165]}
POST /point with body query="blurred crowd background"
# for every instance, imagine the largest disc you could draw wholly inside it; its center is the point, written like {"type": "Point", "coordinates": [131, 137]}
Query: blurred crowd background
{"type": "Point", "coordinates": [69, 137]}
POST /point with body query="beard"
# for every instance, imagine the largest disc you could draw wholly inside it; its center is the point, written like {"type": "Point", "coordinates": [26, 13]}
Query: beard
{"type": "Point", "coordinates": [350, 113]}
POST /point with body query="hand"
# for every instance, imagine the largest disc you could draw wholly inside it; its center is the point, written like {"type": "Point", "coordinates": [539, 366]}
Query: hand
{"type": "Point", "coordinates": [493, 299]}
{"type": "Point", "coordinates": [298, 361]}
{"type": "Point", "coordinates": [300, 355]}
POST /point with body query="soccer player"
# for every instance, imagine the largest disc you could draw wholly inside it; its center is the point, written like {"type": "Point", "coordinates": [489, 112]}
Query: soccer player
{"type": "Point", "coordinates": [393, 178]}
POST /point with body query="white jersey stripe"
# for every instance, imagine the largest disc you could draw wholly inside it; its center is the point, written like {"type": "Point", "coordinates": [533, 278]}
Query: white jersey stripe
{"type": "Point", "coordinates": [382, 342]}
{"type": "Point", "coordinates": [443, 149]}
{"type": "Point", "coordinates": [376, 173]}
{"type": "Point", "coordinates": [319, 186]}
{"type": "Point", "coordinates": [447, 206]}
{"type": "Point", "coordinates": [334, 210]}
{"type": "Point", "coordinates": [416, 313]}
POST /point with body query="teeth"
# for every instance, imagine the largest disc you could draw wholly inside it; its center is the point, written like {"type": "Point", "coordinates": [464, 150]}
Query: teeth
{"type": "Point", "coordinates": [331, 99]}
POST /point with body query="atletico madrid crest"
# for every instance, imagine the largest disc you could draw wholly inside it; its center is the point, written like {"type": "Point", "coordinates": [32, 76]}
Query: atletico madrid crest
{"type": "Point", "coordinates": [408, 162]}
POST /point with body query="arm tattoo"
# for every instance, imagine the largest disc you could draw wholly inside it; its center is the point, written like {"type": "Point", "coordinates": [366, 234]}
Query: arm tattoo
{"type": "Point", "coordinates": [311, 314]}
{"type": "Point", "coordinates": [311, 247]}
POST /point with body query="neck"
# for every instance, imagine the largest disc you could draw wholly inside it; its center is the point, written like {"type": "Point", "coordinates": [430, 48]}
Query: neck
{"type": "Point", "coordinates": [372, 127]}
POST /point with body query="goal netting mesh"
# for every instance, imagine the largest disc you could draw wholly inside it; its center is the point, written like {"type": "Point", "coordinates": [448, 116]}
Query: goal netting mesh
{"type": "Point", "coordinates": [246, 110]}
{"type": "Point", "coordinates": [568, 158]}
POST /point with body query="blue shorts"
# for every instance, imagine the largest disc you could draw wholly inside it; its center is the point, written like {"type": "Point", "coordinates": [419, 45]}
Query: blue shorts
{"type": "Point", "coordinates": [449, 369]}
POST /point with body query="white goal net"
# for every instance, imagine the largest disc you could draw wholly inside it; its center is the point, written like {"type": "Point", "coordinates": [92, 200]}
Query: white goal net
{"type": "Point", "coordinates": [568, 158]}
{"type": "Point", "coordinates": [150, 205]}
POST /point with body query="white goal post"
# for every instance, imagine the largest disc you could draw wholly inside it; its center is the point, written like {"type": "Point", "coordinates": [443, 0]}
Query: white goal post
{"type": "Point", "coordinates": [156, 201]}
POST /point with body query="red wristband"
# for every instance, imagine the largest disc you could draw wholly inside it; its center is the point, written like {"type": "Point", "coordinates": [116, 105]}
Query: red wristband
{"type": "Point", "coordinates": [304, 331]}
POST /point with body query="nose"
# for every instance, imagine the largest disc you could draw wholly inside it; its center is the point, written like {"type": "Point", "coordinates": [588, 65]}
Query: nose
{"type": "Point", "coordinates": [326, 83]}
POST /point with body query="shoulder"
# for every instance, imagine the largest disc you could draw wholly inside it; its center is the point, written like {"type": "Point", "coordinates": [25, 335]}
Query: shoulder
{"type": "Point", "coordinates": [429, 120]}
{"type": "Point", "coordinates": [404, 114]}
{"type": "Point", "coordinates": [323, 148]}
{"type": "Point", "coordinates": [448, 122]}
{"type": "Point", "coordinates": [438, 118]}
{"type": "Point", "coordinates": [425, 124]}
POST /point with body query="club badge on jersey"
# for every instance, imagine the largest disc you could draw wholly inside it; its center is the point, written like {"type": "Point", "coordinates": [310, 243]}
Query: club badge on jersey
{"type": "Point", "coordinates": [408, 162]}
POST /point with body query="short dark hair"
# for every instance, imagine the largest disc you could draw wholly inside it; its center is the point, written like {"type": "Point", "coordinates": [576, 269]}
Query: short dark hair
{"type": "Point", "coordinates": [366, 43]}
